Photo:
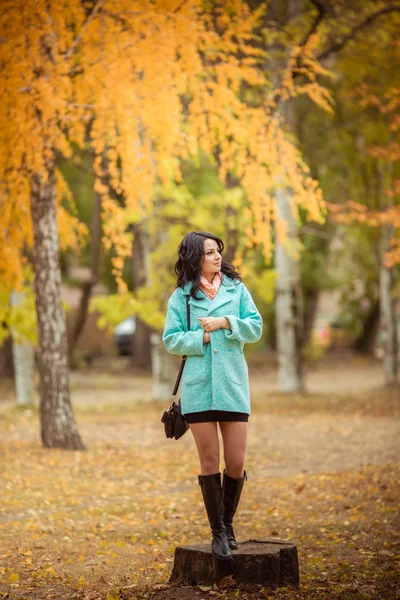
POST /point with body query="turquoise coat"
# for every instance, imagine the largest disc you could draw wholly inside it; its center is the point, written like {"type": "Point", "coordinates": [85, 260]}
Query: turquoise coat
{"type": "Point", "coordinates": [215, 376]}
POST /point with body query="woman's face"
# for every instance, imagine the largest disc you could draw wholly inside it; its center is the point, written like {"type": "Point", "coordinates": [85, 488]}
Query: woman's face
{"type": "Point", "coordinates": [212, 260]}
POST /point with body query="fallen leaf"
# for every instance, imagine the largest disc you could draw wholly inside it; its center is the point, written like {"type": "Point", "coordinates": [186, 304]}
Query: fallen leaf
{"type": "Point", "coordinates": [160, 586]}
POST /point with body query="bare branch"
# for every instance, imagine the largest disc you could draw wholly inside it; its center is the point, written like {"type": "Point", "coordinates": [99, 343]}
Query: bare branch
{"type": "Point", "coordinates": [77, 39]}
{"type": "Point", "coordinates": [368, 21]}
{"type": "Point", "coordinates": [79, 105]}
{"type": "Point", "coordinates": [80, 166]}
{"type": "Point", "coordinates": [178, 8]}
{"type": "Point", "coordinates": [78, 69]}
{"type": "Point", "coordinates": [321, 13]}
{"type": "Point", "coordinates": [322, 10]}
{"type": "Point", "coordinates": [312, 231]}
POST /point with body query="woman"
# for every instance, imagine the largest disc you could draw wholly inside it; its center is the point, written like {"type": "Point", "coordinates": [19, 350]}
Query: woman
{"type": "Point", "coordinates": [215, 385]}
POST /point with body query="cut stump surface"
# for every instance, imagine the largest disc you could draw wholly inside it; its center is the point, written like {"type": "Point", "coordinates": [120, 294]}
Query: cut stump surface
{"type": "Point", "coordinates": [270, 562]}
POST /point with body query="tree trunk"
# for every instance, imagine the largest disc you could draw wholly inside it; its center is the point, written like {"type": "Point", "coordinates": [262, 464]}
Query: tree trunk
{"type": "Point", "coordinates": [23, 358]}
{"type": "Point", "coordinates": [388, 311]}
{"type": "Point", "coordinates": [288, 305]}
{"type": "Point", "coordinates": [23, 355]}
{"type": "Point", "coordinates": [366, 340]}
{"type": "Point", "coordinates": [6, 359]}
{"type": "Point", "coordinates": [232, 234]}
{"type": "Point", "coordinates": [164, 367]}
{"type": "Point", "coordinates": [310, 312]}
{"type": "Point", "coordinates": [141, 348]}
{"type": "Point", "coordinates": [88, 285]}
{"type": "Point", "coordinates": [289, 327]}
{"type": "Point", "coordinates": [58, 427]}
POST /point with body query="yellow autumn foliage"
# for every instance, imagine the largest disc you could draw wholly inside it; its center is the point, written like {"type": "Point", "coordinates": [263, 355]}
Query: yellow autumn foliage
{"type": "Point", "coordinates": [151, 82]}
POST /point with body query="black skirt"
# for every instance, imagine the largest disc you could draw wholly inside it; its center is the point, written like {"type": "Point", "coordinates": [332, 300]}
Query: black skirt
{"type": "Point", "coordinates": [212, 416]}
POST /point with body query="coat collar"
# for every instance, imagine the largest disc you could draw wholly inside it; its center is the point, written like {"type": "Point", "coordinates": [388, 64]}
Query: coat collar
{"type": "Point", "coordinates": [223, 296]}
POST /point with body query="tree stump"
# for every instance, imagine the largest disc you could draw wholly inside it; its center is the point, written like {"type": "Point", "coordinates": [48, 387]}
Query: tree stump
{"type": "Point", "coordinates": [270, 562]}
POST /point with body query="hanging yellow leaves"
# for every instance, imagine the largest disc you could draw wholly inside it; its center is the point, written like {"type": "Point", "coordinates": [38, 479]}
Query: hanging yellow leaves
{"type": "Point", "coordinates": [145, 83]}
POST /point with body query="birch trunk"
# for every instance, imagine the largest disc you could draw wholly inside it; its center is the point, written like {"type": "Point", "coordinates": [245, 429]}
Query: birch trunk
{"type": "Point", "coordinates": [288, 304]}
{"type": "Point", "coordinates": [388, 311]}
{"type": "Point", "coordinates": [288, 300]}
{"type": "Point", "coordinates": [23, 358]}
{"type": "Point", "coordinates": [163, 365]}
{"type": "Point", "coordinates": [58, 429]}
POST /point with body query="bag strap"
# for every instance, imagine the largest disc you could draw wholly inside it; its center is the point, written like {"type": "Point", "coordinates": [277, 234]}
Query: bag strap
{"type": "Point", "coordinates": [178, 379]}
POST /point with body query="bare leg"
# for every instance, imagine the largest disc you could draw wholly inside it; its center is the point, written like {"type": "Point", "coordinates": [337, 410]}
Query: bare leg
{"type": "Point", "coordinates": [206, 438]}
{"type": "Point", "coordinates": [234, 435]}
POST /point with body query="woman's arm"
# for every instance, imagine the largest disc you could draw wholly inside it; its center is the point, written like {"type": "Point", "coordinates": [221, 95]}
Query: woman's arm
{"type": "Point", "coordinates": [176, 338]}
{"type": "Point", "coordinates": [248, 327]}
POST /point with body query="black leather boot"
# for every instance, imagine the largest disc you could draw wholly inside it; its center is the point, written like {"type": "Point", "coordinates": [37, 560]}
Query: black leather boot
{"type": "Point", "coordinates": [231, 492]}
{"type": "Point", "coordinates": [212, 496]}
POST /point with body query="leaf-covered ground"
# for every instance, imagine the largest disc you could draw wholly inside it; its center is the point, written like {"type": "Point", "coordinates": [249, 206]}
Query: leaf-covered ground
{"type": "Point", "coordinates": [324, 472]}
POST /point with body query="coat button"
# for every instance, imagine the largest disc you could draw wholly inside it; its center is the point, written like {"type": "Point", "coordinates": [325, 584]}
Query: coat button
{"type": "Point", "coordinates": [215, 351]}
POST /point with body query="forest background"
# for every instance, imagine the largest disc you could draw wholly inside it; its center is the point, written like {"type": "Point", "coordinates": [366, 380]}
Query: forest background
{"type": "Point", "coordinates": [125, 125]}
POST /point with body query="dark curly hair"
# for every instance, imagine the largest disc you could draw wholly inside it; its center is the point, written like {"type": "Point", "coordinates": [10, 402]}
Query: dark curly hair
{"type": "Point", "coordinates": [191, 252]}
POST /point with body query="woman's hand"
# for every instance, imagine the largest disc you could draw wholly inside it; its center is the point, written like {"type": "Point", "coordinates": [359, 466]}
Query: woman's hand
{"type": "Point", "coordinates": [213, 323]}
{"type": "Point", "coordinates": [206, 338]}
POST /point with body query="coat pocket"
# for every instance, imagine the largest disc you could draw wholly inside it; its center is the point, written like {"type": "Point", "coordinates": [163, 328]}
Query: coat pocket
{"type": "Point", "coordinates": [237, 370]}
{"type": "Point", "coordinates": [195, 370]}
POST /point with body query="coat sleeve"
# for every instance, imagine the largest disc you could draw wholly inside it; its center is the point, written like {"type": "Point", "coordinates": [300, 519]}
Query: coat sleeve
{"type": "Point", "coordinates": [176, 338]}
{"type": "Point", "coordinates": [248, 327]}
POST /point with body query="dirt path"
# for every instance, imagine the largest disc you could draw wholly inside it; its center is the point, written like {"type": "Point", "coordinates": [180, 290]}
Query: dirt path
{"type": "Point", "coordinates": [323, 430]}
{"type": "Point", "coordinates": [323, 469]}
{"type": "Point", "coordinates": [337, 375]}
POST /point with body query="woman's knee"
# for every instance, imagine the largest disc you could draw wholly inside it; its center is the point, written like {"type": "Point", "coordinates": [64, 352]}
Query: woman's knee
{"type": "Point", "coordinates": [209, 462]}
{"type": "Point", "coordinates": [235, 467]}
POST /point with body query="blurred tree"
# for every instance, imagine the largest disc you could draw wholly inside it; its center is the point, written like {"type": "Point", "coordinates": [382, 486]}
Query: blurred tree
{"type": "Point", "coordinates": [79, 176]}
{"type": "Point", "coordinates": [200, 202]}
{"type": "Point", "coordinates": [19, 332]}
{"type": "Point", "coordinates": [156, 84]}
{"type": "Point", "coordinates": [6, 359]}
{"type": "Point", "coordinates": [288, 297]}
{"type": "Point", "coordinates": [373, 97]}
{"type": "Point", "coordinates": [141, 351]}
{"type": "Point", "coordinates": [339, 27]}
{"type": "Point", "coordinates": [23, 359]}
